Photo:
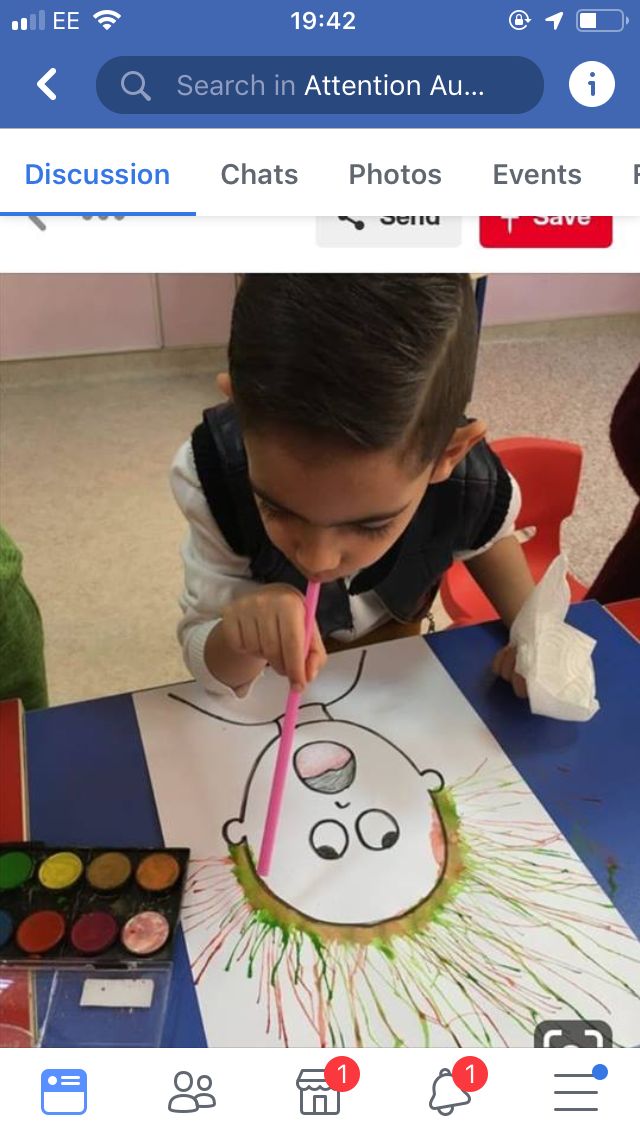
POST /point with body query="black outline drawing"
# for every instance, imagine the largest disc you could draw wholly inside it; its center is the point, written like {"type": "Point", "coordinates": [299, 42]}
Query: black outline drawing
{"type": "Point", "coordinates": [337, 824]}
{"type": "Point", "coordinates": [374, 847]}
{"type": "Point", "coordinates": [323, 715]}
{"type": "Point", "coordinates": [350, 765]}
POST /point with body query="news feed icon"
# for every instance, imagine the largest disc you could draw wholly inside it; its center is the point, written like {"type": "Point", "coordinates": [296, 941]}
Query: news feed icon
{"type": "Point", "coordinates": [63, 1092]}
{"type": "Point", "coordinates": [575, 1034]}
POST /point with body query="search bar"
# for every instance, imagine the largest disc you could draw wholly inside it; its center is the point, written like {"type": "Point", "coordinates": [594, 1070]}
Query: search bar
{"type": "Point", "coordinates": [216, 85]}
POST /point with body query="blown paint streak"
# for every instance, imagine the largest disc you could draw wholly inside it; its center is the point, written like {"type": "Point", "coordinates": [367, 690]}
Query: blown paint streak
{"type": "Point", "coordinates": [461, 966]}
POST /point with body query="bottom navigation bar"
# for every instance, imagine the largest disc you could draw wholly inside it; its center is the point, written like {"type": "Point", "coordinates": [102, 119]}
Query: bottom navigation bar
{"type": "Point", "coordinates": [364, 1090]}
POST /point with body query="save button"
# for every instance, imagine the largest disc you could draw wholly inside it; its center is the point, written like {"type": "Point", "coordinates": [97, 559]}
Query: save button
{"type": "Point", "coordinates": [546, 232]}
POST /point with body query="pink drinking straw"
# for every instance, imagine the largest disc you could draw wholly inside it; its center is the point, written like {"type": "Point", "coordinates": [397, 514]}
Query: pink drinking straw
{"type": "Point", "coordinates": [286, 742]}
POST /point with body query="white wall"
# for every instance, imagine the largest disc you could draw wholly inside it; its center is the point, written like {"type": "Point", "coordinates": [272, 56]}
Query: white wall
{"type": "Point", "coordinates": [524, 298]}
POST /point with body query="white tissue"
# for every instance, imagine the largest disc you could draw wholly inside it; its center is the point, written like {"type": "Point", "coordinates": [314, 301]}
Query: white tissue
{"type": "Point", "coordinates": [553, 658]}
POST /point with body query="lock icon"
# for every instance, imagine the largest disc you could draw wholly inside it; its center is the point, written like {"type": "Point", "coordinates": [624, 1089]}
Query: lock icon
{"type": "Point", "coordinates": [519, 20]}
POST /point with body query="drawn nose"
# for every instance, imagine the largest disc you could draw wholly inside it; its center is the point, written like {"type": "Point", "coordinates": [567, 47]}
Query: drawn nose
{"type": "Point", "coordinates": [325, 767]}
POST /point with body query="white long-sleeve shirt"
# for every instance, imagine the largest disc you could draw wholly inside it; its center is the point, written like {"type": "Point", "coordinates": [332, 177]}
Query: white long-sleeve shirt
{"type": "Point", "coordinates": [214, 574]}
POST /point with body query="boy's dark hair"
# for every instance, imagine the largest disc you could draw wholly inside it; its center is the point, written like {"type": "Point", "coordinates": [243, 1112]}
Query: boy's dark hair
{"type": "Point", "coordinates": [372, 361]}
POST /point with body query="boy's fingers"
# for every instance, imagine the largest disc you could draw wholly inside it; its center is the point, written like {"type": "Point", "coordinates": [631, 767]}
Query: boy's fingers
{"type": "Point", "coordinates": [239, 636]}
{"type": "Point", "coordinates": [519, 685]}
{"type": "Point", "coordinates": [291, 631]}
{"type": "Point", "coordinates": [503, 663]}
{"type": "Point", "coordinates": [317, 656]}
{"type": "Point", "coordinates": [233, 635]}
{"type": "Point", "coordinates": [316, 659]}
{"type": "Point", "coordinates": [270, 646]}
{"type": "Point", "coordinates": [250, 635]}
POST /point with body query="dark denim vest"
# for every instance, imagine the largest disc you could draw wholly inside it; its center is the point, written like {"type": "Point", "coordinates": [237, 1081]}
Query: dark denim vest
{"type": "Point", "coordinates": [463, 512]}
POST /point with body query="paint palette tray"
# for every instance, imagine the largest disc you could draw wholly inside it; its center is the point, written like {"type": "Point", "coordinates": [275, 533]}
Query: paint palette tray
{"type": "Point", "coordinates": [106, 907]}
{"type": "Point", "coordinates": [82, 1006]}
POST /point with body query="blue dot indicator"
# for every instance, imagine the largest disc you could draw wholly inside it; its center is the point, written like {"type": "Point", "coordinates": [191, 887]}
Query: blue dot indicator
{"type": "Point", "coordinates": [599, 1072]}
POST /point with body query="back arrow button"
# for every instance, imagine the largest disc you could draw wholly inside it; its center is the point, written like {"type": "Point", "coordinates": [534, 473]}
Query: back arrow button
{"type": "Point", "coordinates": [42, 84]}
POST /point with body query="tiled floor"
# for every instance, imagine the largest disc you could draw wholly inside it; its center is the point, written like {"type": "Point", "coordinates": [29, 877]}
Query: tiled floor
{"type": "Point", "coordinates": [85, 445]}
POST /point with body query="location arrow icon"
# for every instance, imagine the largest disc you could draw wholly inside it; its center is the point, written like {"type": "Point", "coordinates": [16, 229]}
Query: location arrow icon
{"type": "Point", "coordinates": [555, 20]}
{"type": "Point", "coordinates": [42, 84]}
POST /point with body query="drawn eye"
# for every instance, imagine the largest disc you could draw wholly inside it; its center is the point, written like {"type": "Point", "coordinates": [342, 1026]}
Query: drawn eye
{"type": "Point", "coordinates": [329, 839]}
{"type": "Point", "coordinates": [377, 829]}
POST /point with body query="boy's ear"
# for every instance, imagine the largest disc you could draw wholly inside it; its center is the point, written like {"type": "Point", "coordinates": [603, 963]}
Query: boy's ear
{"type": "Point", "coordinates": [224, 382]}
{"type": "Point", "coordinates": [462, 440]}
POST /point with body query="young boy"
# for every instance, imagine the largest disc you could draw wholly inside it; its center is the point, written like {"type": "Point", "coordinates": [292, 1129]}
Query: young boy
{"type": "Point", "coordinates": [343, 455]}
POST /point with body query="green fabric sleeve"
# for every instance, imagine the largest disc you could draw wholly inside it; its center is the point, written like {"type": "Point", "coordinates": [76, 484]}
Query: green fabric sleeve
{"type": "Point", "coordinates": [22, 668]}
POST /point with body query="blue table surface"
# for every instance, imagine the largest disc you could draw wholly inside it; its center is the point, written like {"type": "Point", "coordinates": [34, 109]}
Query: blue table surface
{"type": "Point", "coordinates": [89, 784]}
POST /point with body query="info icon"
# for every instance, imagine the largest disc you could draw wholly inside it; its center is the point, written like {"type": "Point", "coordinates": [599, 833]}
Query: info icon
{"type": "Point", "coordinates": [577, 1034]}
{"type": "Point", "coordinates": [592, 84]}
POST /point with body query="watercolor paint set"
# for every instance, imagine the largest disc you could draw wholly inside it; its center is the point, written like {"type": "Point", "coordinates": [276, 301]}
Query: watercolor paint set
{"type": "Point", "coordinates": [111, 907]}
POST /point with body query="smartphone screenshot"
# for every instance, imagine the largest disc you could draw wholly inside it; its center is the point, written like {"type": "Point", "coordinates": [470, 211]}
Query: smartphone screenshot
{"type": "Point", "coordinates": [319, 566]}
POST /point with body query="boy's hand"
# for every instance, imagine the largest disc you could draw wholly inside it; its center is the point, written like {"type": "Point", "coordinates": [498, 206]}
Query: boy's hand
{"type": "Point", "coordinates": [504, 665]}
{"type": "Point", "coordinates": [268, 624]}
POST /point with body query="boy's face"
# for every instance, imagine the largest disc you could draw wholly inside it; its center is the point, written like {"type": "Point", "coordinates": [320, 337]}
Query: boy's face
{"type": "Point", "coordinates": [332, 513]}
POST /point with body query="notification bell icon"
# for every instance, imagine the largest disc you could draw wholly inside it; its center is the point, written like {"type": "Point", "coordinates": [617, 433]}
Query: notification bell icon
{"type": "Point", "coordinates": [445, 1094]}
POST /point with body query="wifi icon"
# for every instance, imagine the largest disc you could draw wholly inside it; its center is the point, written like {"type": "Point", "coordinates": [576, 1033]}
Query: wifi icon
{"type": "Point", "coordinates": [107, 18]}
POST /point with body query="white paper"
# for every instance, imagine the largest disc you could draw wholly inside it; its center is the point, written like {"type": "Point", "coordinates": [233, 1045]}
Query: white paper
{"type": "Point", "coordinates": [449, 910]}
{"type": "Point", "coordinates": [118, 993]}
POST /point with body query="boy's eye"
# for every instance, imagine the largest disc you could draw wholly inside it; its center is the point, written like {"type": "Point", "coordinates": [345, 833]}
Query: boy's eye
{"type": "Point", "coordinates": [374, 530]}
{"type": "Point", "coordinates": [269, 510]}
{"type": "Point", "coordinates": [378, 530]}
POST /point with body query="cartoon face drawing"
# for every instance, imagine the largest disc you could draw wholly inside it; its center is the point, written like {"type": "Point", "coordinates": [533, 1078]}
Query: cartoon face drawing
{"type": "Point", "coordinates": [360, 839]}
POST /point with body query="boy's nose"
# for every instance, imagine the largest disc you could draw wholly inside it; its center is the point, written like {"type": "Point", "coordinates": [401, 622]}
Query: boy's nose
{"type": "Point", "coordinates": [318, 556]}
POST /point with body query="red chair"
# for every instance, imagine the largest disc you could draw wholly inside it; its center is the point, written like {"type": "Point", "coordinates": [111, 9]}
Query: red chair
{"type": "Point", "coordinates": [548, 473]}
{"type": "Point", "coordinates": [627, 612]}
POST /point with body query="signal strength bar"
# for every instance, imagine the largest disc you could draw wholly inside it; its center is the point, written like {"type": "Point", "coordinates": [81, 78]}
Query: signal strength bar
{"type": "Point", "coordinates": [36, 22]}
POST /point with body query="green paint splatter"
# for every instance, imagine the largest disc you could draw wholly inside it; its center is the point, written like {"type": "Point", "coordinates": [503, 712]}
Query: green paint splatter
{"type": "Point", "coordinates": [384, 947]}
{"type": "Point", "coordinates": [468, 964]}
{"type": "Point", "coordinates": [612, 876]}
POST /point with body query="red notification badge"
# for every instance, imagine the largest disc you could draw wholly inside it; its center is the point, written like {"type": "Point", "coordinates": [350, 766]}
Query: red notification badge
{"type": "Point", "coordinates": [342, 1074]}
{"type": "Point", "coordinates": [470, 1074]}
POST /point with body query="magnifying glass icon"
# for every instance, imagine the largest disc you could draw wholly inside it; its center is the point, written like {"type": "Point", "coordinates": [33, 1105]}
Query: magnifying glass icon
{"type": "Point", "coordinates": [138, 85]}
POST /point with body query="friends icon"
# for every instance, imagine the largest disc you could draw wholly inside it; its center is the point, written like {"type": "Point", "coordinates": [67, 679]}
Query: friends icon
{"type": "Point", "coordinates": [184, 1099]}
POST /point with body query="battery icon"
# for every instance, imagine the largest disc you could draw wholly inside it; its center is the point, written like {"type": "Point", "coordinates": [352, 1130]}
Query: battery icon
{"type": "Point", "coordinates": [601, 20]}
